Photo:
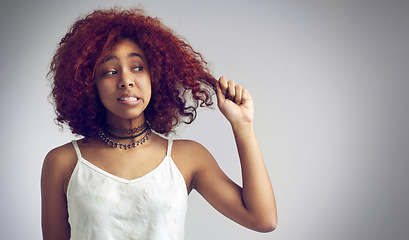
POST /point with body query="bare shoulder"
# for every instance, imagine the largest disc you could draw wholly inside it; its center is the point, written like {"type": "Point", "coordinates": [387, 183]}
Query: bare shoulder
{"type": "Point", "coordinates": [190, 157]}
{"type": "Point", "coordinates": [60, 156]}
{"type": "Point", "coordinates": [59, 164]}
{"type": "Point", "coordinates": [190, 149]}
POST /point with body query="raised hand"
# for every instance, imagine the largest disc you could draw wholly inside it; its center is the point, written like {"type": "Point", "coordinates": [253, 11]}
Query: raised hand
{"type": "Point", "coordinates": [235, 102]}
{"type": "Point", "coordinates": [255, 200]}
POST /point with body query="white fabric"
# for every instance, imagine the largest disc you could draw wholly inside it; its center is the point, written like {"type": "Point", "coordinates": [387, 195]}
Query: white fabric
{"type": "Point", "coordinates": [103, 206]}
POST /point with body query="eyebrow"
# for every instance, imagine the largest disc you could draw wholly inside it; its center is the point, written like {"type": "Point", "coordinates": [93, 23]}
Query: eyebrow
{"type": "Point", "coordinates": [132, 54]}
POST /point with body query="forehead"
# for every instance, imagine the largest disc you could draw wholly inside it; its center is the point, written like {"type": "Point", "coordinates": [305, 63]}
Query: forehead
{"type": "Point", "coordinates": [125, 48]}
{"type": "Point", "coordinates": [126, 45]}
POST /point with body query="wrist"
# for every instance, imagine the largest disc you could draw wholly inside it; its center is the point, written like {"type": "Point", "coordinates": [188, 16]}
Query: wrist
{"type": "Point", "coordinates": [242, 127]}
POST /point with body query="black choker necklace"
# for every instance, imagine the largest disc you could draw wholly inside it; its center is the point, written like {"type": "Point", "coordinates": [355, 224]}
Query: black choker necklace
{"type": "Point", "coordinates": [119, 131]}
{"type": "Point", "coordinates": [129, 137]}
{"type": "Point", "coordinates": [125, 146]}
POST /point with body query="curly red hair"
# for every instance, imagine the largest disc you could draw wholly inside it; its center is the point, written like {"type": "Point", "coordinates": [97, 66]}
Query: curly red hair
{"type": "Point", "coordinates": [181, 81]}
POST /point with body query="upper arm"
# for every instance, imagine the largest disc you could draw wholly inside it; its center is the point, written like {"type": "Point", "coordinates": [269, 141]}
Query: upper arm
{"type": "Point", "coordinates": [55, 174]}
{"type": "Point", "coordinates": [214, 185]}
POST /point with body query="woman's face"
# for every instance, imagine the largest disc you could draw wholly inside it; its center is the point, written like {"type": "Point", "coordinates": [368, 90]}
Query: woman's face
{"type": "Point", "coordinates": [123, 82]}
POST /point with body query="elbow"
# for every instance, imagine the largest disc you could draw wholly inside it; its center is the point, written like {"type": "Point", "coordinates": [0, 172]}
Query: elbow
{"type": "Point", "coordinates": [265, 226]}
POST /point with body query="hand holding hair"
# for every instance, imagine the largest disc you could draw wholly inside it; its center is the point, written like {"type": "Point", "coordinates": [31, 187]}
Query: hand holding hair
{"type": "Point", "coordinates": [235, 102]}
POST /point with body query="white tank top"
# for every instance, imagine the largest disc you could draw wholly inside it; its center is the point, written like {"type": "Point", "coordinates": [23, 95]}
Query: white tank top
{"type": "Point", "coordinates": [103, 206]}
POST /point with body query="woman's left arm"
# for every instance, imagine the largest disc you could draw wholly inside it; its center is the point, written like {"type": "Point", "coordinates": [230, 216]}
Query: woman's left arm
{"type": "Point", "coordinates": [253, 205]}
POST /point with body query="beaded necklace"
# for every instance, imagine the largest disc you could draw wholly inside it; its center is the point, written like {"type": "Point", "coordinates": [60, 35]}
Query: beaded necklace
{"type": "Point", "coordinates": [144, 128]}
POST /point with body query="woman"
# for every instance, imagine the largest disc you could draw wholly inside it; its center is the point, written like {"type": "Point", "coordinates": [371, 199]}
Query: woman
{"type": "Point", "coordinates": [124, 81]}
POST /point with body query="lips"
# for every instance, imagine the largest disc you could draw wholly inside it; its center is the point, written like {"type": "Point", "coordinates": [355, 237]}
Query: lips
{"type": "Point", "coordinates": [128, 99]}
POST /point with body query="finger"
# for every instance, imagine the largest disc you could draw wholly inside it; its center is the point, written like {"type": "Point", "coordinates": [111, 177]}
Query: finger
{"type": "Point", "coordinates": [231, 90]}
{"type": "Point", "coordinates": [220, 96]}
{"type": "Point", "coordinates": [246, 96]}
{"type": "Point", "coordinates": [223, 85]}
{"type": "Point", "coordinates": [239, 94]}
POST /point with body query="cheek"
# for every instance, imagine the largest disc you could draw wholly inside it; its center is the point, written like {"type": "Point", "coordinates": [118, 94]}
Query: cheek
{"type": "Point", "coordinates": [148, 87]}
{"type": "Point", "coordinates": [104, 91]}
{"type": "Point", "coordinates": [100, 92]}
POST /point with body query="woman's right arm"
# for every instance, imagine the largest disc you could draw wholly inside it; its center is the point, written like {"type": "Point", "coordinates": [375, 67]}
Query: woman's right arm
{"type": "Point", "coordinates": [57, 169]}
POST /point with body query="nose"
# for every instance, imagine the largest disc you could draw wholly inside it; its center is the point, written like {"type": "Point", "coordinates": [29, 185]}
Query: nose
{"type": "Point", "coordinates": [125, 81]}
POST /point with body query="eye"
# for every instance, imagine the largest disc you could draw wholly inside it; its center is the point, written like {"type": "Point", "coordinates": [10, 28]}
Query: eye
{"type": "Point", "coordinates": [138, 69]}
{"type": "Point", "coordinates": [112, 72]}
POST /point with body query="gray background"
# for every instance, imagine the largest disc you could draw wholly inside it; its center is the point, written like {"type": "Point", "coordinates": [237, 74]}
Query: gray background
{"type": "Point", "coordinates": [330, 82]}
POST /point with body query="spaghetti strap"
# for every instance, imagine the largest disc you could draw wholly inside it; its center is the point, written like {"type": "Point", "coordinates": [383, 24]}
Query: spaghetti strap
{"type": "Point", "coordinates": [169, 151]}
{"type": "Point", "coordinates": [77, 149]}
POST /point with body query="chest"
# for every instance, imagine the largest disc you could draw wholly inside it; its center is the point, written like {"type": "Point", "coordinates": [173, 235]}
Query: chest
{"type": "Point", "coordinates": [102, 200]}
{"type": "Point", "coordinates": [126, 164]}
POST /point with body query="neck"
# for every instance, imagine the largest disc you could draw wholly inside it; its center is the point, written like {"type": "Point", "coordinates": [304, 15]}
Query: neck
{"type": "Point", "coordinates": [124, 133]}
{"type": "Point", "coordinates": [115, 122]}
{"type": "Point", "coordinates": [128, 145]}
{"type": "Point", "coordinates": [125, 138]}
